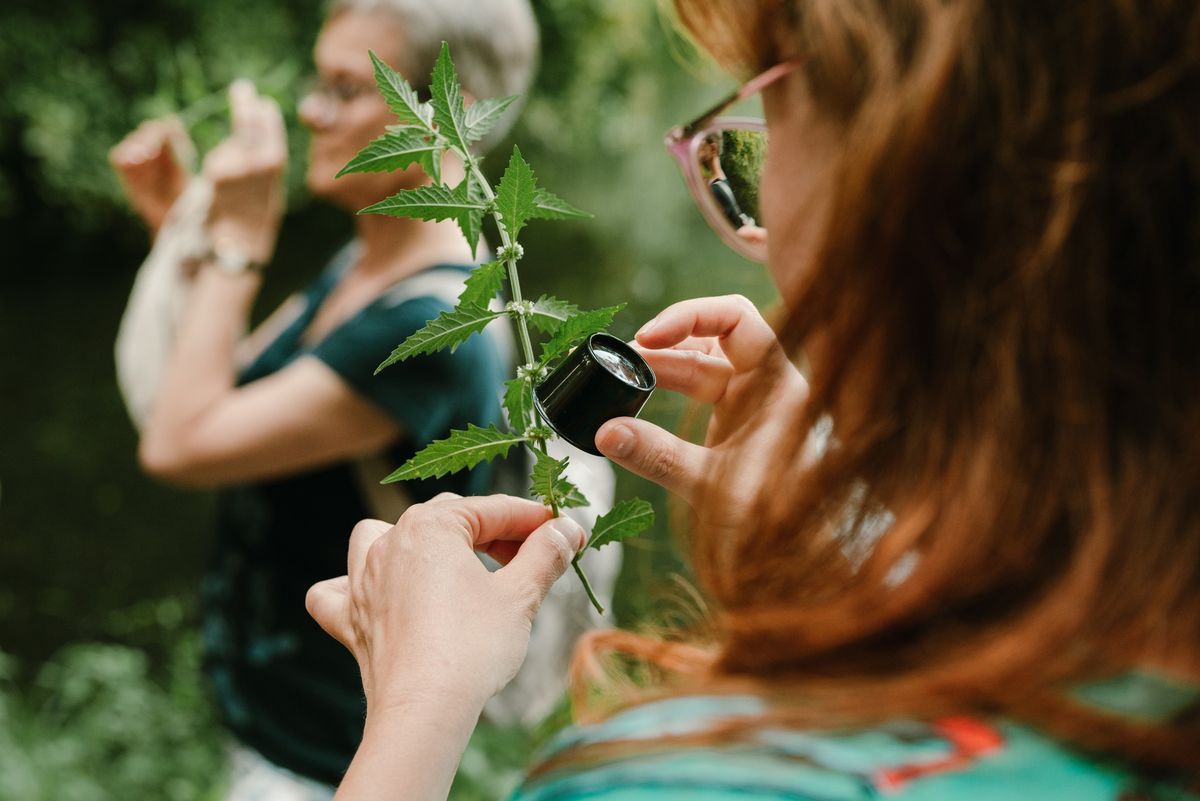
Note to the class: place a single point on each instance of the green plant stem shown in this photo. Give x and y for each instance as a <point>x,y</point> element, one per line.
<point>587,585</point>
<point>514,284</point>
<point>510,264</point>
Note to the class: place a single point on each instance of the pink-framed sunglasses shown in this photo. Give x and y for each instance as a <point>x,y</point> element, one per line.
<point>722,162</point>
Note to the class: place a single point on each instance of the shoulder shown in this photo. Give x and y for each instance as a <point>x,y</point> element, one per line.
<point>406,306</point>
<point>905,760</point>
<point>411,304</point>
<point>414,301</point>
<point>468,373</point>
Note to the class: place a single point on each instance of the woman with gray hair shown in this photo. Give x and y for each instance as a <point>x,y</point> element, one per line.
<point>289,422</point>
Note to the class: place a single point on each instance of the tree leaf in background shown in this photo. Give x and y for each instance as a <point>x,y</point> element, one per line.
<point>483,284</point>
<point>548,483</point>
<point>396,150</point>
<point>549,313</point>
<point>483,114</point>
<point>627,519</point>
<point>515,194</point>
<point>518,403</point>
<point>462,450</point>
<point>448,330</point>
<point>576,329</point>
<point>549,206</point>
<point>401,98</point>
<point>448,110</point>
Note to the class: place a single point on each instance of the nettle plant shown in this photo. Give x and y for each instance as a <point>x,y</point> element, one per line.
<point>427,130</point>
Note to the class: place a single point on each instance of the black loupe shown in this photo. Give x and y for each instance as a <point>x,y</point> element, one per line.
<point>601,379</point>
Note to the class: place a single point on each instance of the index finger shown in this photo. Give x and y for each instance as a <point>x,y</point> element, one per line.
<point>361,538</point>
<point>243,99</point>
<point>495,518</point>
<point>745,337</point>
<point>270,122</point>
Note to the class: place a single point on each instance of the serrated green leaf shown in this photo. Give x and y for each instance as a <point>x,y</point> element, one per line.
<point>396,150</point>
<point>549,206</point>
<point>546,471</point>
<point>436,202</point>
<point>448,330</point>
<point>483,114</point>
<point>549,313</point>
<point>570,496</point>
<point>401,98</point>
<point>448,111</point>
<point>462,450</point>
<point>515,194</point>
<point>577,328</point>
<point>518,403</point>
<point>431,163</point>
<point>625,520</point>
<point>549,484</point>
<point>483,284</point>
<point>471,223</point>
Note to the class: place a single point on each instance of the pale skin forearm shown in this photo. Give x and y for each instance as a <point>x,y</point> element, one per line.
<point>411,750</point>
<point>202,369</point>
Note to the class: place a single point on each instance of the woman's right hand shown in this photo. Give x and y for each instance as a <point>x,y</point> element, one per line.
<point>151,165</point>
<point>717,351</point>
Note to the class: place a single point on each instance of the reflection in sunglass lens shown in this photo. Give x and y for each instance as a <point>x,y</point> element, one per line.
<point>730,163</point>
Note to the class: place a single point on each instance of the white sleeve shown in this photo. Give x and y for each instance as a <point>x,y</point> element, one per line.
<point>158,299</point>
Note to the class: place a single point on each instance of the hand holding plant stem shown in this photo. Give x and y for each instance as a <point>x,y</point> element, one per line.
<point>426,132</point>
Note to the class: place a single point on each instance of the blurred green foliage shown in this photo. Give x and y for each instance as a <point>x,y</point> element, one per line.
<point>105,722</point>
<point>102,721</point>
<point>79,78</point>
<point>84,538</point>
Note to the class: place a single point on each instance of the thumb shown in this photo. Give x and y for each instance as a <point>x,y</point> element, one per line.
<point>648,451</point>
<point>329,604</point>
<point>543,557</point>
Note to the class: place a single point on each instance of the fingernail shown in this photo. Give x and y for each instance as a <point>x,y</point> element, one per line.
<point>619,440</point>
<point>569,531</point>
<point>647,328</point>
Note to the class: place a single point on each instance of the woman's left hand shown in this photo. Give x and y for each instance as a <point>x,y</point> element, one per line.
<point>424,617</point>
<point>246,171</point>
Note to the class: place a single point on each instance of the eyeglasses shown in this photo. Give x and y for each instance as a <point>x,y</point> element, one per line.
<point>337,93</point>
<point>336,90</point>
<point>722,163</point>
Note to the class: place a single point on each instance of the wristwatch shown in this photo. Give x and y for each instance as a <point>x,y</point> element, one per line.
<point>230,259</point>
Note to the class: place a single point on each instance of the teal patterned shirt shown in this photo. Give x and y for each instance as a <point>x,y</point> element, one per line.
<point>959,759</point>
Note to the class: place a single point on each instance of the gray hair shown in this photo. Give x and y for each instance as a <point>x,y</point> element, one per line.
<point>494,44</point>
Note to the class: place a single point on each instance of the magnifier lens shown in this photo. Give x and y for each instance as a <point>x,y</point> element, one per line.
<point>620,366</point>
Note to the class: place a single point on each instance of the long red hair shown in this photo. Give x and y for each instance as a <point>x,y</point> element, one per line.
<point>1003,325</point>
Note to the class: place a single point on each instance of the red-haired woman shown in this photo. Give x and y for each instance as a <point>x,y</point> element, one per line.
<point>985,581</point>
